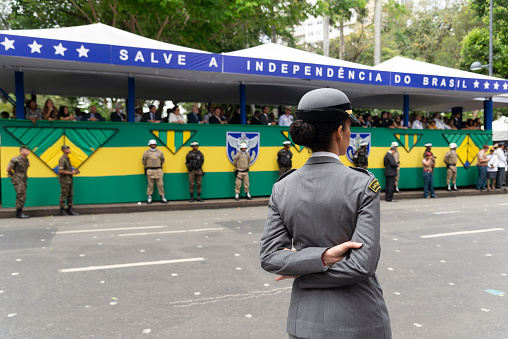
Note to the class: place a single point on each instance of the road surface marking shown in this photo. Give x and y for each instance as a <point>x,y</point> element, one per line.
<point>460,233</point>
<point>109,229</point>
<point>446,212</point>
<point>134,264</point>
<point>171,232</point>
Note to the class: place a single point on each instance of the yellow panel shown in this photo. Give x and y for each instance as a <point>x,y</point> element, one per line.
<point>37,168</point>
<point>53,154</point>
<point>77,156</point>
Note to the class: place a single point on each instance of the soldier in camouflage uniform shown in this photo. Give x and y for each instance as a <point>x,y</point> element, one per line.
<point>284,157</point>
<point>361,156</point>
<point>242,163</point>
<point>16,170</point>
<point>153,159</point>
<point>65,177</point>
<point>450,160</point>
<point>194,162</point>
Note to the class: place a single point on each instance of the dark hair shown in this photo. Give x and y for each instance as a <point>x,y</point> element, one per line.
<point>150,107</point>
<point>315,135</point>
<point>61,112</point>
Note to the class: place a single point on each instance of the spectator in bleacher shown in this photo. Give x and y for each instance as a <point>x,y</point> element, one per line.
<point>384,121</point>
<point>236,118</point>
<point>32,112</point>
<point>138,114</point>
<point>417,123</point>
<point>361,121</point>
<point>93,115</point>
<point>440,123</point>
<point>152,115</point>
<point>175,117</point>
<point>425,122</point>
<point>118,115</point>
<point>264,118</point>
<point>398,123</point>
<point>255,118</point>
<point>194,117</point>
<point>215,118</point>
<point>5,115</point>
<point>63,114</point>
<point>457,121</point>
<point>368,121</point>
<point>209,114</point>
<point>78,114</point>
<point>49,112</point>
<point>286,119</point>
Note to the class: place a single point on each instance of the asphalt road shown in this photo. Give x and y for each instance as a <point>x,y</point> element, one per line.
<point>196,274</point>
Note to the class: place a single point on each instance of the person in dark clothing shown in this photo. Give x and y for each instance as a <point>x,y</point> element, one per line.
<point>390,173</point>
<point>215,118</point>
<point>384,121</point>
<point>255,118</point>
<point>194,117</point>
<point>236,118</point>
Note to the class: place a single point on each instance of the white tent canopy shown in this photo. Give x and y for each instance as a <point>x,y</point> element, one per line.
<point>500,129</point>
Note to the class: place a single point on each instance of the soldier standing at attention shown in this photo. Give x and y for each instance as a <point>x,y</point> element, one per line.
<point>361,156</point>
<point>395,146</point>
<point>153,159</point>
<point>16,170</point>
<point>284,157</point>
<point>65,177</point>
<point>242,163</point>
<point>450,160</point>
<point>194,162</point>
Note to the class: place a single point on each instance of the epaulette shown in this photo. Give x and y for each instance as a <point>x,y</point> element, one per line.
<point>374,183</point>
<point>285,175</point>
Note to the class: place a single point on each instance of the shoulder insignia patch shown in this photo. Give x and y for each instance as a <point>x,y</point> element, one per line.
<point>374,186</point>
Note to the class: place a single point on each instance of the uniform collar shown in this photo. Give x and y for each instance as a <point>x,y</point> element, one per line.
<point>325,154</point>
<point>323,157</point>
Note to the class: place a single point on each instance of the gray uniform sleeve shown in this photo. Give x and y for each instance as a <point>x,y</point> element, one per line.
<point>276,237</point>
<point>361,263</point>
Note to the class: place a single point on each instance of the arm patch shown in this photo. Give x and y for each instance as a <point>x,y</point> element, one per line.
<point>374,186</point>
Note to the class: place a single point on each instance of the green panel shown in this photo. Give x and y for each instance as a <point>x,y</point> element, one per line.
<point>89,140</point>
<point>40,138</point>
<point>480,139</point>
<point>456,138</point>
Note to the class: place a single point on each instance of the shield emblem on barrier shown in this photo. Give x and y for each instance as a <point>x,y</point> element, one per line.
<point>233,140</point>
<point>354,144</point>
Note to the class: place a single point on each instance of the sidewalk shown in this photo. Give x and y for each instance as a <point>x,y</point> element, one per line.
<point>44,211</point>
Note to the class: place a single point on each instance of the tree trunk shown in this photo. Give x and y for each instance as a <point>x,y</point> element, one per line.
<point>378,8</point>
<point>326,35</point>
<point>341,39</point>
<point>274,35</point>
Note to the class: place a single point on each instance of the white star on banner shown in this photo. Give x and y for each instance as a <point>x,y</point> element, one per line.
<point>486,85</point>
<point>476,83</point>
<point>60,49</point>
<point>35,47</point>
<point>496,85</point>
<point>8,44</point>
<point>505,86</point>
<point>83,51</point>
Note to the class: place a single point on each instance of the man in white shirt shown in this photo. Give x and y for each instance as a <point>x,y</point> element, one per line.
<point>439,123</point>
<point>286,119</point>
<point>417,124</point>
<point>501,166</point>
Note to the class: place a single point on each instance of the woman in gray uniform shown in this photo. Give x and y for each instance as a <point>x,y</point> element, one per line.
<point>329,213</point>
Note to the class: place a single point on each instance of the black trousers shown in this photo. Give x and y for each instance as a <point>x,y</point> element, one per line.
<point>389,188</point>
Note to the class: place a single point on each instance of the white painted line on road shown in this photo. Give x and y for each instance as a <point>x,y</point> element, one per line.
<point>460,233</point>
<point>134,264</point>
<point>446,212</point>
<point>170,232</point>
<point>109,229</point>
<point>505,204</point>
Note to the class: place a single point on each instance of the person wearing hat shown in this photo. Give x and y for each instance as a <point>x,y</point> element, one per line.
<point>428,148</point>
<point>481,183</point>
<point>501,166</point>
<point>242,164</point>
<point>194,162</point>
<point>153,159</point>
<point>361,156</point>
<point>391,166</point>
<point>429,163</point>
<point>286,119</point>
<point>395,146</point>
<point>450,160</point>
<point>284,157</point>
<point>324,209</point>
<point>65,177</point>
<point>17,171</point>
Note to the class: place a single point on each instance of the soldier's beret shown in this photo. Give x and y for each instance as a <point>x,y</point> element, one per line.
<point>24,146</point>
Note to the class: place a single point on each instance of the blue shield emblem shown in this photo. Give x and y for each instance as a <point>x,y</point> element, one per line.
<point>233,140</point>
<point>354,144</point>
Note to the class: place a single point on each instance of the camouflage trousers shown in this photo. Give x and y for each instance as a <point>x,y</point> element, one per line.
<point>283,170</point>
<point>196,175</point>
<point>66,193</point>
<point>242,176</point>
<point>20,188</point>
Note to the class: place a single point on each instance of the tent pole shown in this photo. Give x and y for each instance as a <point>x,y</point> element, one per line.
<point>406,110</point>
<point>243,110</point>
<point>20,95</point>
<point>130,99</point>
<point>487,114</point>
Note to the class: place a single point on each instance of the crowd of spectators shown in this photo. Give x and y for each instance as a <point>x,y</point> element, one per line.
<point>211,114</point>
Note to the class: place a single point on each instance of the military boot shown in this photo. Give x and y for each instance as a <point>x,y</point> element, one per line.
<point>149,199</point>
<point>163,199</point>
<point>63,211</point>
<point>248,196</point>
<point>70,211</point>
<point>192,197</point>
<point>199,198</point>
<point>21,215</point>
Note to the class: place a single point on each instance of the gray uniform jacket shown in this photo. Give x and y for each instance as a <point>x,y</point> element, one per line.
<point>321,205</point>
